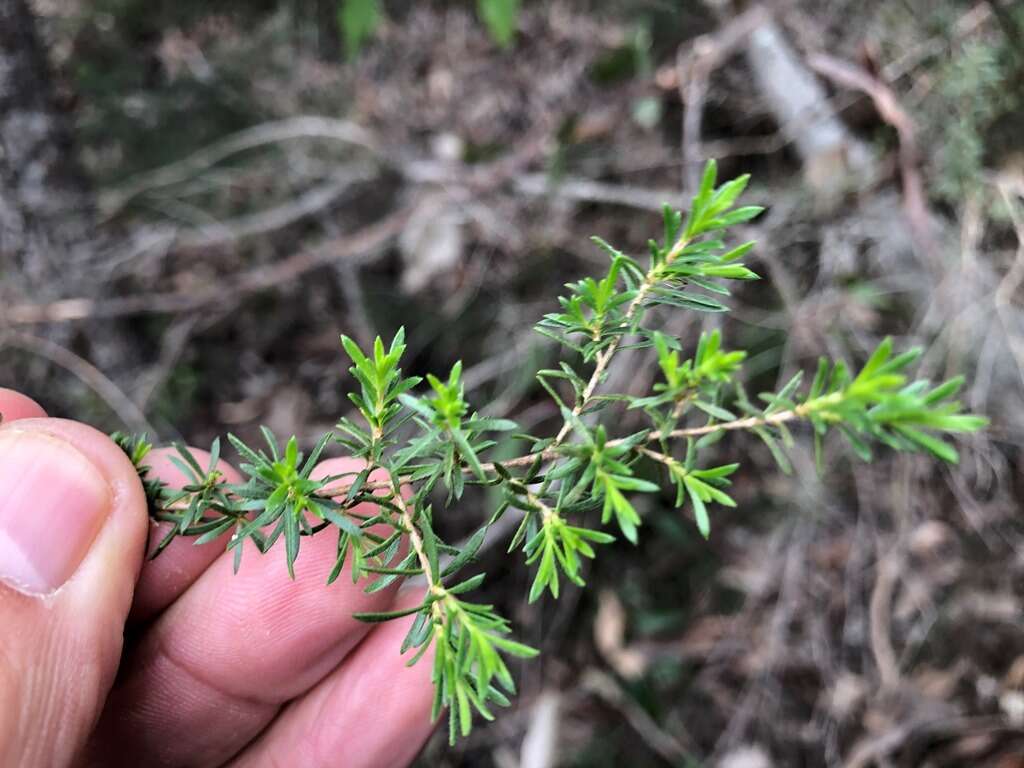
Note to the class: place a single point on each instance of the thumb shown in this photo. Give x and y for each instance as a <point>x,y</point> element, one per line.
<point>73,528</point>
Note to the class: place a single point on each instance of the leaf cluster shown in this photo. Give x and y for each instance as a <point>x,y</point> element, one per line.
<point>421,447</point>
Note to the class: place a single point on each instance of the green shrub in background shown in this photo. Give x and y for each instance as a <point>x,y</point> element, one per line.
<point>360,18</point>
<point>973,83</point>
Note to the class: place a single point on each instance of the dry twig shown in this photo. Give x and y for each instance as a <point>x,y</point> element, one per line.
<point>302,127</point>
<point>355,247</point>
<point>914,200</point>
<point>90,375</point>
<point>694,68</point>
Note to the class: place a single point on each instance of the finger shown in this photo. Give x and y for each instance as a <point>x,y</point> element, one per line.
<point>371,711</point>
<point>72,529</point>
<point>14,405</point>
<point>166,577</point>
<point>217,665</point>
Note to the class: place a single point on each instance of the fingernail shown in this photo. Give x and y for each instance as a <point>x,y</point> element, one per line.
<point>53,502</point>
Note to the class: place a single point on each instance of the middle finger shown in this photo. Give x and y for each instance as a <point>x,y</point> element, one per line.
<point>216,666</point>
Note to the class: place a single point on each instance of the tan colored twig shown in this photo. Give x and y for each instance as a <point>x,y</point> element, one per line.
<point>172,345</point>
<point>750,422</point>
<point>319,198</point>
<point>302,127</point>
<point>915,203</point>
<point>90,375</point>
<point>880,611</point>
<point>604,357</point>
<point>668,745</point>
<point>357,246</point>
<point>694,66</point>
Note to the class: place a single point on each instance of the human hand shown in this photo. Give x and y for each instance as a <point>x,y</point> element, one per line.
<point>109,660</point>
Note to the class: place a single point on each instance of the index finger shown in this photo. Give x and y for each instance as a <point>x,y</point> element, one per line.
<point>14,406</point>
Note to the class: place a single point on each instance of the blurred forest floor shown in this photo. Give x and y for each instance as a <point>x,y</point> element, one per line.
<point>261,192</point>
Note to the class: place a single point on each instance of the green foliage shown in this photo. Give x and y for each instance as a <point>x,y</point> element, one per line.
<point>710,366</point>
<point>137,448</point>
<point>422,444</point>
<point>973,112</point>
<point>381,385</point>
<point>702,486</point>
<point>500,17</point>
<point>280,493</point>
<point>603,466</point>
<point>560,545</point>
<point>881,404</point>
<point>358,20</point>
<point>469,674</point>
<point>450,443</point>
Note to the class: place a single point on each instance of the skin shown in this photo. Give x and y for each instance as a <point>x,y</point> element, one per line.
<point>177,661</point>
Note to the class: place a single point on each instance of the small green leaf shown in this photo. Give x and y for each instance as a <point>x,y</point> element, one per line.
<point>700,512</point>
<point>358,20</point>
<point>468,585</point>
<point>692,301</point>
<point>713,410</point>
<point>500,17</point>
<point>470,549</point>
<point>468,454</point>
<point>773,447</point>
<point>931,444</point>
<point>374,617</point>
<point>515,649</point>
<point>291,541</point>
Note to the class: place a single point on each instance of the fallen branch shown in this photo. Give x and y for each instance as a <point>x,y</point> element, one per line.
<point>90,375</point>
<point>357,247</point>
<point>263,222</point>
<point>304,127</point>
<point>694,68</point>
<point>803,111</point>
<point>914,200</point>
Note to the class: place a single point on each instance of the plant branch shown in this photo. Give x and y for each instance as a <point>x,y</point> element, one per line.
<point>415,538</point>
<point>879,403</point>
<point>604,357</point>
<point>749,422</point>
